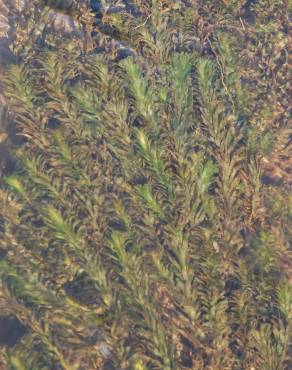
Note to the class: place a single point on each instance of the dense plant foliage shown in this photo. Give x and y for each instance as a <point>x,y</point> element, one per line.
<point>145,224</point>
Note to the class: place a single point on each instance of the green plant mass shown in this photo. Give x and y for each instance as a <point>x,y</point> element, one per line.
<point>144,214</point>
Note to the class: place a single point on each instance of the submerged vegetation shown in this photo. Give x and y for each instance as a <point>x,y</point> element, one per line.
<point>145,221</point>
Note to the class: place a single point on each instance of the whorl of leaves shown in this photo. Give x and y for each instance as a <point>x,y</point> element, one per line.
<point>145,225</point>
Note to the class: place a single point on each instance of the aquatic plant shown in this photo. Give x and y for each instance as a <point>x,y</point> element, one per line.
<point>146,222</point>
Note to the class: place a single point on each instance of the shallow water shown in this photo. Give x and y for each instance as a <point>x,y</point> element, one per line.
<point>98,38</point>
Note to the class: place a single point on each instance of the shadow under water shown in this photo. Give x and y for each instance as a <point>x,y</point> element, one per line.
<point>11,330</point>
